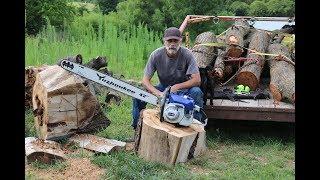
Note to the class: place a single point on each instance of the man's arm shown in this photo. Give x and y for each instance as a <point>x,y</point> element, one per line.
<point>147,84</point>
<point>195,80</point>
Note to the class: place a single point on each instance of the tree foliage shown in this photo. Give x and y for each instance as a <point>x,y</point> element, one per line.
<point>107,6</point>
<point>258,8</point>
<point>239,8</point>
<point>281,8</point>
<point>57,12</point>
<point>158,14</point>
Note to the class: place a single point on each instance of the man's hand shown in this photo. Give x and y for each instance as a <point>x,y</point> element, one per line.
<point>174,88</point>
<point>159,94</point>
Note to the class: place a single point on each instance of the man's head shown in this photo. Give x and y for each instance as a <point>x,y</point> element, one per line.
<point>172,40</point>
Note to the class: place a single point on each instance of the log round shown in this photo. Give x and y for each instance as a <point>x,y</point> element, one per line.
<point>166,143</point>
<point>204,55</point>
<point>282,74</point>
<point>235,36</point>
<point>250,73</point>
<point>64,105</point>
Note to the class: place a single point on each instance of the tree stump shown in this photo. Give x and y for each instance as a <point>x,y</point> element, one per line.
<point>282,74</point>
<point>166,143</point>
<point>250,73</point>
<point>235,38</point>
<point>63,105</point>
<point>204,55</point>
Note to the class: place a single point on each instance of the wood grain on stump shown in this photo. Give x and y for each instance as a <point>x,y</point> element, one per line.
<point>164,142</point>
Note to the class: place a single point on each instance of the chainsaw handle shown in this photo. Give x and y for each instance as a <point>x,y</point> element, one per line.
<point>206,117</point>
<point>200,110</point>
<point>166,93</point>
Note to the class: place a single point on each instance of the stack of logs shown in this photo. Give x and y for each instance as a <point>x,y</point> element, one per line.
<point>64,103</point>
<point>247,53</point>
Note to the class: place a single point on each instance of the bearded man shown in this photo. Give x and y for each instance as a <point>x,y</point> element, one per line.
<point>176,67</point>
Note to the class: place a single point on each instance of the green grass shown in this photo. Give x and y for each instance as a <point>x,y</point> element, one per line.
<point>57,165</point>
<point>93,35</point>
<point>29,129</point>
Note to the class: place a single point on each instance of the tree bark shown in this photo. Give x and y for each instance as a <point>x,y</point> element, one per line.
<point>219,64</point>
<point>250,74</point>
<point>282,74</point>
<point>63,105</point>
<point>97,63</point>
<point>96,143</point>
<point>166,143</point>
<point>235,38</point>
<point>45,151</point>
<point>204,55</point>
<point>29,79</point>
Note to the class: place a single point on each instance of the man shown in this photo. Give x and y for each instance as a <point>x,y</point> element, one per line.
<point>176,67</point>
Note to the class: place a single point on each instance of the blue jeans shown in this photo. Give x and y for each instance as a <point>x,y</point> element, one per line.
<point>194,92</point>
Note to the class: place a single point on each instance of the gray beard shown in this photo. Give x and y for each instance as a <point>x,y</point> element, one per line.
<point>173,52</point>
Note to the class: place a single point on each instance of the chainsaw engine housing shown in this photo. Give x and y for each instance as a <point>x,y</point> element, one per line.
<point>179,109</point>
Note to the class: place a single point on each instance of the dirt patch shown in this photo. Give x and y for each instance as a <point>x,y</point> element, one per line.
<point>129,146</point>
<point>198,170</point>
<point>215,154</point>
<point>77,168</point>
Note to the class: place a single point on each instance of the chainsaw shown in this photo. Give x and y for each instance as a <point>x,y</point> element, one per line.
<point>174,108</point>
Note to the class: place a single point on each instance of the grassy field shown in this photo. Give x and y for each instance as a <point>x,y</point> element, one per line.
<point>236,150</point>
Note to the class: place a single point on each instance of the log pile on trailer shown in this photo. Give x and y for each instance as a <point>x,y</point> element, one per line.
<point>244,55</point>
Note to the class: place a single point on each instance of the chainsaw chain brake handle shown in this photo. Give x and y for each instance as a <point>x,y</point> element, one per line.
<point>166,93</point>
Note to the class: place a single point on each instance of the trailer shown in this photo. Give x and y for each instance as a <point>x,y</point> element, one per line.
<point>248,109</point>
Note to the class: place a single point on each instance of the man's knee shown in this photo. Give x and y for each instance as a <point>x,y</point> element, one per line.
<point>196,92</point>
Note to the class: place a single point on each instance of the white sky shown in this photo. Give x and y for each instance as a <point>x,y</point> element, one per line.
<point>270,25</point>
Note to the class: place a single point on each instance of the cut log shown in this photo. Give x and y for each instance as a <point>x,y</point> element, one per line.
<point>29,79</point>
<point>97,144</point>
<point>97,63</point>
<point>63,105</point>
<point>219,64</point>
<point>45,151</point>
<point>76,59</point>
<point>166,143</point>
<point>204,55</point>
<point>282,74</point>
<point>235,38</point>
<point>248,37</point>
<point>251,71</point>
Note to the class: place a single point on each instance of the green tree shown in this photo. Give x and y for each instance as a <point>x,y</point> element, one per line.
<point>258,8</point>
<point>57,11</point>
<point>160,14</point>
<point>281,7</point>
<point>239,8</point>
<point>107,6</point>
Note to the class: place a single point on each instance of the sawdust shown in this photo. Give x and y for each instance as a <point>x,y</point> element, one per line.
<point>77,168</point>
<point>129,146</point>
